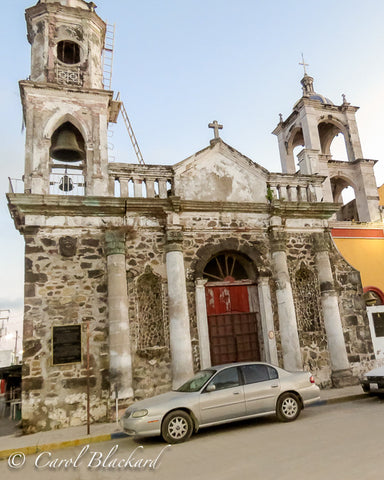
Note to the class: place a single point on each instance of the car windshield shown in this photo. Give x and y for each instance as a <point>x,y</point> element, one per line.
<point>198,381</point>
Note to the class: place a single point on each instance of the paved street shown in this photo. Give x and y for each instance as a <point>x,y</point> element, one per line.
<point>343,442</point>
<point>7,426</point>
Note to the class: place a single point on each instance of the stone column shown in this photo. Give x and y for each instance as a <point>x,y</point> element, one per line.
<point>119,339</point>
<point>286,308</point>
<point>179,329</point>
<point>202,324</point>
<point>266,315</point>
<point>341,371</point>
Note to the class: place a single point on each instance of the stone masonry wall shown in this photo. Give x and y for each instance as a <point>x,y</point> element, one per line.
<point>65,284</point>
<point>69,287</point>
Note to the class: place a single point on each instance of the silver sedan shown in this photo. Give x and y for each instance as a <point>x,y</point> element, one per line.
<point>222,394</point>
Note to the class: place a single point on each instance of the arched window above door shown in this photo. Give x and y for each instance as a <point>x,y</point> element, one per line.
<point>225,267</point>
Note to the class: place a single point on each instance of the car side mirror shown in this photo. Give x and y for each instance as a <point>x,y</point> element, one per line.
<point>211,388</point>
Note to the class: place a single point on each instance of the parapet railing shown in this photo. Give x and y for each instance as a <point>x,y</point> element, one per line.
<point>157,181</point>
<point>293,188</point>
<point>140,181</point>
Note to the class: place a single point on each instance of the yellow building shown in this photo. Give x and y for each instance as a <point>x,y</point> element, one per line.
<point>362,245</point>
<point>381,194</point>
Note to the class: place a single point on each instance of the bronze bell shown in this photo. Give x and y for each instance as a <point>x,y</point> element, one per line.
<point>65,147</point>
<point>66,184</point>
<point>370,298</point>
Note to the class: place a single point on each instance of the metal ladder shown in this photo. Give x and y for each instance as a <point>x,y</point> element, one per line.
<point>107,82</point>
<point>131,134</point>
<point>108,56</point>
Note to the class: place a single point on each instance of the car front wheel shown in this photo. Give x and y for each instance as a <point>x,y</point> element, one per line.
<point>177,427</point>
<point>288,407</point>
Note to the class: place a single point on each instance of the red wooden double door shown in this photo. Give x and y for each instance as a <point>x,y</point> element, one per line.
<point>232,327</point>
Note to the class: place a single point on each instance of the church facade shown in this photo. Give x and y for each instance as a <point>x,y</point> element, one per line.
<point>138,275</point>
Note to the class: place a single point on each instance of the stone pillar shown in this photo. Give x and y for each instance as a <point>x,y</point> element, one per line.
<point>341,371</point>
<point>179,328</point>
<point>287,316</point>
<point>266,315</point>
<point>202,324</point>
<point>119,339</point>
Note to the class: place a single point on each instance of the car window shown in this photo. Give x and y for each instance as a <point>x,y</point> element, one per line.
<point>226,379</point>
<point>258,373</point>
<point>195,383</point>
<point>272,373</point>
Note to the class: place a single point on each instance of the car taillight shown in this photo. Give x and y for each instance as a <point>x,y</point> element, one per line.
<point>312,379</point>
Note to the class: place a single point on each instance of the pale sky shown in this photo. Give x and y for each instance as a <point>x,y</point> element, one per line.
<point>181,64</point>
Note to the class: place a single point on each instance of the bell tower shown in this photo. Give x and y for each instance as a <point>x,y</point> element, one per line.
<point>66,108</point>
<point>313,124</point>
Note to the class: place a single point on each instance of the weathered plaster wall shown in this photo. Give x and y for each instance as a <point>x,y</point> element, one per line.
<point>219,173</point>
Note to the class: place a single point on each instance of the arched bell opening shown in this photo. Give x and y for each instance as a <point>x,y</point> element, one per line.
<point>68,61</point>
<point>67,161</point>
<point>233,312</point>
<point>68,52</point>
<point>332,140</point>
<point>295,144</point>
<point>343,192</point>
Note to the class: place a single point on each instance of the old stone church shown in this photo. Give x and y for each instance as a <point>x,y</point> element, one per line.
<point>150,272</point>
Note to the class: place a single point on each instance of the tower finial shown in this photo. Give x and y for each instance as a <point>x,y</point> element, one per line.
<point>307,81</point>
<point>304,64</point>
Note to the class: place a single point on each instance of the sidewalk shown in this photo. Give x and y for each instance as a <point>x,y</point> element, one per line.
<point>102,432</point>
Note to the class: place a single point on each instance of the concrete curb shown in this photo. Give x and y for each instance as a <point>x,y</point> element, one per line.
<point>346,398</point>
<point>4,454</point>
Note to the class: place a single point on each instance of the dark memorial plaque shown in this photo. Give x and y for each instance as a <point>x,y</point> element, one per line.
<point>66,344</point>
<point>378,322</point>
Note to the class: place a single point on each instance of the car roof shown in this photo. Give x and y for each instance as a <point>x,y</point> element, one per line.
<point>237,364</point>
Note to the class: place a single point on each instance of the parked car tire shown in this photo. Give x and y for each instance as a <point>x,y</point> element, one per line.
<point>288,407</point>
<point>177,427</point>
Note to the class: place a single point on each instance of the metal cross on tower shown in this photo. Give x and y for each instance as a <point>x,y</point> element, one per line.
<point>215,125</point>
<point>304,64</point>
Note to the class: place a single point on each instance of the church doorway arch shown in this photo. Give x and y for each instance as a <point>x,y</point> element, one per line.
<point>233,312</point>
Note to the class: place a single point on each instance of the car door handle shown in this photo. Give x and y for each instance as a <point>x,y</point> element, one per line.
<point>274,386</point>
<point>236,393</point>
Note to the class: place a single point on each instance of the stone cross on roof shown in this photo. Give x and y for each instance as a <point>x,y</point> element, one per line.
<point>215,125</point>
<point>304,64</point>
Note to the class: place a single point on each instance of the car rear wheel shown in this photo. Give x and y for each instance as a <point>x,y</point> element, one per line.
<point>177,427</point>
<point>288,407</point>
